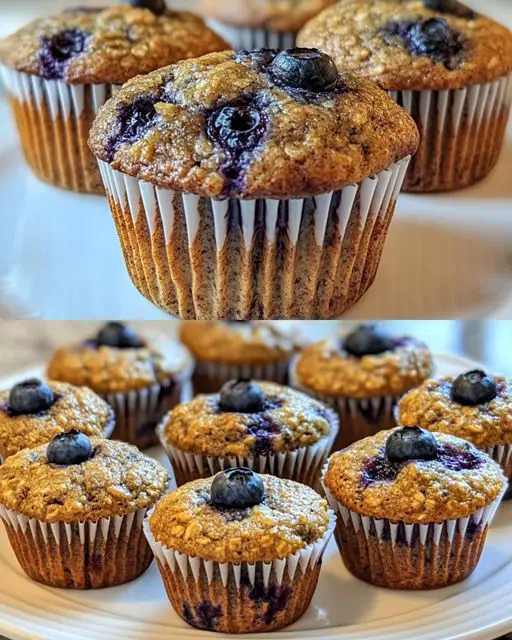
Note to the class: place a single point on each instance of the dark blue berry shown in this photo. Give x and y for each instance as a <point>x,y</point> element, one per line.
<point>118,335</point>
<point>237,488</point>
<point>435,39</point>
<point>260,59</point>
<point>306,69</point>
<point>134,121</point>
<point>451,7</point>
<point>237,126</point>
<point>411,443</point>
<point>59,49</point>
<point>474,387</point>
<point>30,396</point>
<point>72,447</point>
<point>157,7</point>
<point>366,340</point>
<point>241,396</point>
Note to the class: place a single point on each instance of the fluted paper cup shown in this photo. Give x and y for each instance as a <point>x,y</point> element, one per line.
<point>199,258</point>
<point>240,598</point>
<point>81,555</point>
<point>53,120</point>
<point>209,376</point>
<point>463,131</point>
<point>249,38</point>
<point>502,454</point>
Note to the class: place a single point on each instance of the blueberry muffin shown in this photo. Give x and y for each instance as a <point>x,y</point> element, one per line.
<point>276,178</point>
<point>413,507</point>
<point>140,377</point>
<point>261,425</point>
<point>240,552</point>
<point>73,510</point>
<point>475,406</point>
<point>59,70</point>
<point>33,412</point>
<point>225,351</point>
<point>447,65</point>
<point>362,376</point>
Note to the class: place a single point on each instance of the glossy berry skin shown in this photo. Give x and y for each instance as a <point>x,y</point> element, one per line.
<point>306,69</point>
<point>59,49</point>
<point>411,443</point>
<point>237,127</point>
<point>237,488</point>
<point>69,448</point>
<point>157,7</point>
<point>473,388</point>
<point>119,336</point>
<point>435,39</point>
<point>30,396</point>
<point>241,396</point>
<point>366,340</point>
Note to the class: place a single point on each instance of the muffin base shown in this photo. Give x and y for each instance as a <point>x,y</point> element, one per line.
<point>82,555</point>
<point>209,376</point>
<point>462,134</point>
<point>249,38</point>
<point>199,258</point>
<point>502,454</point>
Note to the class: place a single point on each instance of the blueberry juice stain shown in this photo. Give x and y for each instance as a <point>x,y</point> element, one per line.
<point>57,51</point>
<point>272,598</point>
<point>203,615</point>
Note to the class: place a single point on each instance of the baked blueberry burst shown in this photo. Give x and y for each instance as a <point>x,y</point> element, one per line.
<point>57,50</point>
<point>237,126</point>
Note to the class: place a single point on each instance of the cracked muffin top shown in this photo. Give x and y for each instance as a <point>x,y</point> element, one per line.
<point>475,406</point>
<point>276,15</point>
<point>117,359</point>
<point>77,478</point>
<point>248,419</point>
<point>240,516</point>
<point>107,45</point>
<point>33,412</point>
<point>364,364</point>
<point>412,44</point>
<point>411,475</point>
<point>252,124</point>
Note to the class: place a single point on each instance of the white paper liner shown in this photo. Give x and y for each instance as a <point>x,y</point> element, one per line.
<point>217,373</point>
<point>359,256</point>
<point>249,38</point>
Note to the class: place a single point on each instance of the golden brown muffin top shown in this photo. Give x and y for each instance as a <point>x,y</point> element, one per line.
<point>76,408</point>
<point>459,482</point>
<point>485,425</point>
<point>391,42</point>
<point>222,126</point>
<point>116,481</point>
<point>291,517</point>
<point>276,15</point>
<point>286,421</point>
<point>108,45</point>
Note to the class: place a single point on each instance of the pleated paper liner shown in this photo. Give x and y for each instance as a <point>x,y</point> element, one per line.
<point>81,555</point>
<point>53,120</point>
<point>463,131</point>
<point>240,598</point>
<point>397,555</point>
<point>248,38</point>
<point>210,376</point>
<point>253,259</point>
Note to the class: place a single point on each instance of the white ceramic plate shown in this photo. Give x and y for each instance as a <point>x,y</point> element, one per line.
<point>343,608</point>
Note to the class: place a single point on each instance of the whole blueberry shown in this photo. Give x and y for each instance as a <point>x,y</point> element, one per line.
<point>71,447</point>
<point>157,7</point>
<point>237,488</point>
<point>366,340</point>
<point>241,396</point>
<point>30,396</point>
<point>411,443</point>
<point>452,7</point>
<point>118,335</point>
<point>57,50</point>
<point>237,127</point>
<point>474,387</point>
<point>307,69</point>
<point>435,39</point>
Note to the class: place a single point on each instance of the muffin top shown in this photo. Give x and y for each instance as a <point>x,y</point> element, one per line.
<point>412,44</point>
<point>252,124</point>
<point>240,516</point>
<point>248,419</point>
<point>107,45</point>
<point>117,359</point>
<point>364,364</point>
<point>33,412</point>
<point>411,475</point>
<point>474,406</point>
<point>276,15</point>
<point>241,342</point>
<point>77,478</point>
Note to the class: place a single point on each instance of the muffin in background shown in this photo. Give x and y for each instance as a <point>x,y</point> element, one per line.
<point>476,406</point>
<point>33,412</point>
<point>59,70</point>
<point>73,510</point>
<point>447,65</point>
<point>226,351</point>
<point>240,552</point>
<point>362,376</point>
<point>413,508</point>
<point>141,377</point>
<point>262,425</point>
